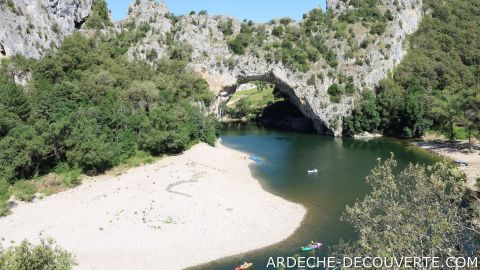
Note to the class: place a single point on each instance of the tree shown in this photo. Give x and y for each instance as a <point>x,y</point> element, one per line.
<point>88,145</point>
<point>141,95</point>
<point>23,152</point>
<point>416,212</point>
<point>444,113</point>
<point>13,99</point>
<point>415,121</point>
<point>8,121</point>
<point>365,116</point>
<point>391,104</point>
<point>100,16</point>
<point>469,104</point>
<point>165,131</point>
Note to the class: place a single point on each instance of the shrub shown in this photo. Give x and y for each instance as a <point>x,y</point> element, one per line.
<point>45,256</point>
<point>311,80</point>
<point>286,21</point>
<point>335,91</point>
<point>70,176</point>
<point>151,55</point>
<point>350,88</point>
<point>240,43</point>
<point>24,190</point>
<point>278,31</point>
<point>331,59</point>
<point>364,44</point>
<point>180,52</point>
<point>226,27</point>
<point>378,28</point>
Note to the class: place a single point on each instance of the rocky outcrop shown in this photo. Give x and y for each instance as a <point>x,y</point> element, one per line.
<point>30,27</point>
<point>224,71</point>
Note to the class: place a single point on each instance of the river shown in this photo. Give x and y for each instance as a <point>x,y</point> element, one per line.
<point>342,167</point>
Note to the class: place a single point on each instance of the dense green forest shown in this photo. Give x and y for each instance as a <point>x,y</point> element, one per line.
<point>87,108</point>
<point>437,86</point>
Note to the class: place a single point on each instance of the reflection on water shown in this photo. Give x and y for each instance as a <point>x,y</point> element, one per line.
<point>342,166</point>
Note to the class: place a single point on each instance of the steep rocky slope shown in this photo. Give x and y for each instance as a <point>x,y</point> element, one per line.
<point>30,28</point>
<point>363,57</point>
<point>322,63</point>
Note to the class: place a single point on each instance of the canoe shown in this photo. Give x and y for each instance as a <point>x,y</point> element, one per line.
<point>312,247</point>
<point>461,163</point>
<point>243,267</point>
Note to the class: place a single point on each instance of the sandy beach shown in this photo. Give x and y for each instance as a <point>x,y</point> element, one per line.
<point>457,151</point>
<point>178,212</point>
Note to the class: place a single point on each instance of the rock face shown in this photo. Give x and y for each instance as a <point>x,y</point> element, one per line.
<point>30,27</point>
<point>224,71</point>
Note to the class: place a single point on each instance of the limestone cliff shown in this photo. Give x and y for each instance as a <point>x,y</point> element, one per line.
<point>353,53</point>
<point>31,27</point>
<point>375,55</point>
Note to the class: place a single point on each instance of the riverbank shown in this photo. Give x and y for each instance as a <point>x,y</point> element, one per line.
<point>178,212</point>
<point>457,151</point>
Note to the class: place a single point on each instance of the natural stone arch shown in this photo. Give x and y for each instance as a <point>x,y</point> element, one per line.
<point>227,92</point>
<point>224,70</point>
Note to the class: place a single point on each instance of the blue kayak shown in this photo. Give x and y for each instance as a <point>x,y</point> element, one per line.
<point>254,158</point>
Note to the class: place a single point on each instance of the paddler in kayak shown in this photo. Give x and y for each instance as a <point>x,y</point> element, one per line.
<point>245,265</point>
<point>312,246</point>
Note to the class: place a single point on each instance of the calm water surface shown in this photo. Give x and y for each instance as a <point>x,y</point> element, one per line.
<point>342,165</point>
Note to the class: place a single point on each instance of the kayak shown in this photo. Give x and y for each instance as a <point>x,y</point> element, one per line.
<point>312,247</point>
<point>254,158</point>
<point>244,266</point>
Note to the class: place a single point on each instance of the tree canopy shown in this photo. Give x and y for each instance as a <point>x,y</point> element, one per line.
<point>418,211</point>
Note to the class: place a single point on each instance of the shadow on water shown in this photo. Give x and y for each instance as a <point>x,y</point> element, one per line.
<point>342,167</point>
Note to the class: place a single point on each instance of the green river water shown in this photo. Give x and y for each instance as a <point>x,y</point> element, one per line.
<point>342,165</point>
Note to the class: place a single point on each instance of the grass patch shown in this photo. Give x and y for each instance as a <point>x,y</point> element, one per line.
<point>4,196</point>
<point>138,159</point>
<point>62,178</point>
<point>460,133</point>
<point>249,103</point>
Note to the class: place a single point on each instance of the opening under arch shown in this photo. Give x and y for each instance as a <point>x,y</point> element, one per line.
<point>281,109</point>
